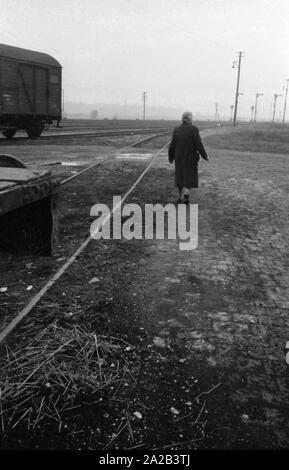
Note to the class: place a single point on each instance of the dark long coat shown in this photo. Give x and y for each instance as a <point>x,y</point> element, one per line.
<point>185,147</point>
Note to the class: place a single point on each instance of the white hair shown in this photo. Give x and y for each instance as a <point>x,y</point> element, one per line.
<point>187,116</point>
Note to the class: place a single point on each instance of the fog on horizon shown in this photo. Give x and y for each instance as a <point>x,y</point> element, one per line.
<point>179,51</point>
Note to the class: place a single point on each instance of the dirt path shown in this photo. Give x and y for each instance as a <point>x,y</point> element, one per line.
<point>219,314</point>
<point>226,305</point>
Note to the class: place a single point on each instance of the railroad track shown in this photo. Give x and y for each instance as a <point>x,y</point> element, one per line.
<point>66,135</point>
<point>41,293</point>
<point>94,165</point>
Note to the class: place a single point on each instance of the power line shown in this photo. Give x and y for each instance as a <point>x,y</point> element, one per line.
<point>237,64</point>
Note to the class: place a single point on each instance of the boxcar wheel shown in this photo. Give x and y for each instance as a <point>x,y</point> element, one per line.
<point>9,133</point>
<point>34,130</point>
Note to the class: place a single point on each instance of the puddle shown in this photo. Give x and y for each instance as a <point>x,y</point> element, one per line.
<point>135,156</point>
<point>78,163</point>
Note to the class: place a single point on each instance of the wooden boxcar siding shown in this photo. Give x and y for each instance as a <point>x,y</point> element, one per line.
<point>41,90</point>
<point>8,86</point>
<point>29,89</point>
<point>54,92</point>
<point>25,89</point>
<point>33,89</point>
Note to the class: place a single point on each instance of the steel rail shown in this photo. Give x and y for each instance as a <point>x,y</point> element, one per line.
<point>80,134</point>
<point>108,157</point>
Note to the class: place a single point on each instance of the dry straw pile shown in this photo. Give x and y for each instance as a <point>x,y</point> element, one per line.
<point>55,372</point>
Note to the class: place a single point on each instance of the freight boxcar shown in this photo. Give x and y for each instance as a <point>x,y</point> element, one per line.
<point>30,91</point>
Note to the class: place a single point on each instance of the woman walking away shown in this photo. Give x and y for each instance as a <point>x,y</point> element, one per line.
<point>185,147</point>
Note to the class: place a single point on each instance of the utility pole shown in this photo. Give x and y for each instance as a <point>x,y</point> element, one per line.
<point>217,116</point>
<point>232,109</point>
<point>62,107</point>
<point>144,96</point>
<point>252,113</point>
<point>285,103</point>
<point>274,106</point>
<point>256,104</point>
<point>216,111</point>
<point>238,65</point>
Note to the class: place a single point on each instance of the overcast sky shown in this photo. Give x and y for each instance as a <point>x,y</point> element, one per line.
<point>179,51</point>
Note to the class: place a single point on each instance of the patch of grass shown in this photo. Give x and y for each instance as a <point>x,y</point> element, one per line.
<point>269,140</point>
